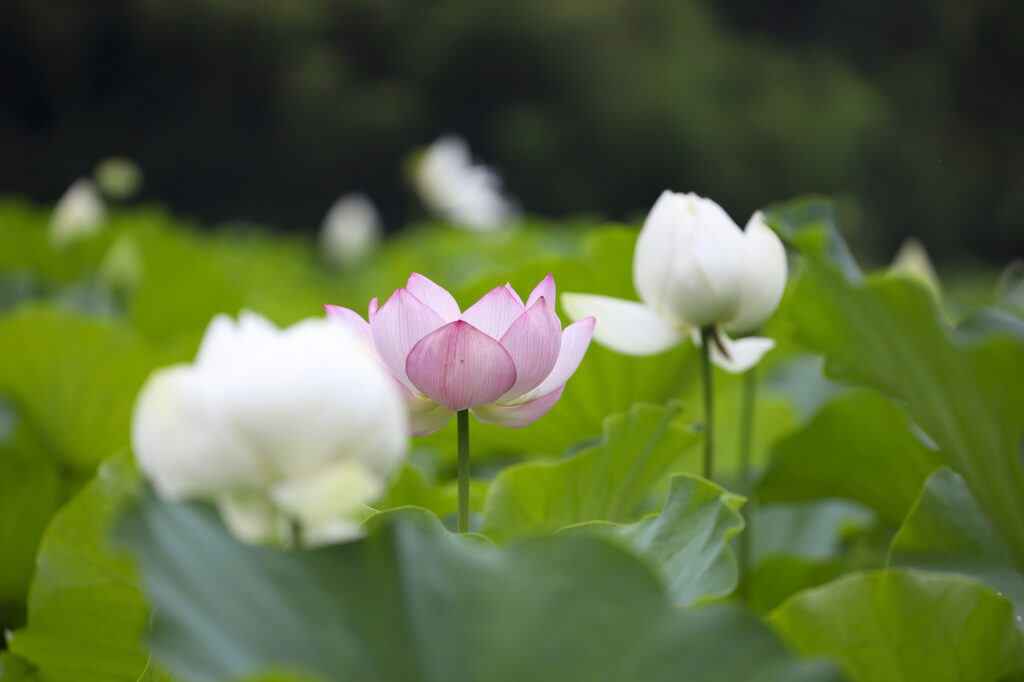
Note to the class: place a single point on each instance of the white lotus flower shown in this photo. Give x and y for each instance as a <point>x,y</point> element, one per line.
<point>78,214</point>
<point>279,427</point>
<point>693,268</point>
<point>350,231</point>
<point>453,187</point>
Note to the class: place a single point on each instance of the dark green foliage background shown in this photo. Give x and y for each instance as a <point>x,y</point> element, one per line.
<point>267,111</point>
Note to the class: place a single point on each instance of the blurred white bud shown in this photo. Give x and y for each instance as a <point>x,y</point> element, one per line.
<point>78,214</point>
<point>118,177</point>
<point>451,186</point>
<point>912,260</point>
<point>281,428</point>
<point>351,230</point>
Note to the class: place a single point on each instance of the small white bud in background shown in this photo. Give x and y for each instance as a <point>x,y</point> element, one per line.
<point>455,189</point>
<point>351,231</point>
<point>79,214</point>
<point>118,177</point>
<point>912,260</point>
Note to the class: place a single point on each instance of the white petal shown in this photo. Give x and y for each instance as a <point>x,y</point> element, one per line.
<point>762,276</point>
<point>339,490</point>
<point>703,286</point>
<point>624,326</point>
<point>655,247</point>
<point>182,441</point>
<point>742,353</point>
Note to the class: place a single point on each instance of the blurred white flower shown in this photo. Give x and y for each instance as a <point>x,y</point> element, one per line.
<point>282,428</point>
<point>453,187</point>
<point>694,268</point>
<point>118,177</point>
<point>912,260</point>
<point>350,231</point>
<point>78,214</point>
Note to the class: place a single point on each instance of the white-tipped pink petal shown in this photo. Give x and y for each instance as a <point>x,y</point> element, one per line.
<point>371,310</point>
<point>518,416</point>
<point>495,312</point>
<point>350,319</point>
<point>399,324</point>
<point>533,342</point>
<point>460,366</point>
<point>740,354</point>
<point>434,296</point>
<point>545,289</point>
<point>575,341</point>
<point>624,326</point>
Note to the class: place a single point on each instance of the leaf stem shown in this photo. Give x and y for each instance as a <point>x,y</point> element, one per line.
<point>463,420</point>
<point>707,337</point>
<point>746,441</point>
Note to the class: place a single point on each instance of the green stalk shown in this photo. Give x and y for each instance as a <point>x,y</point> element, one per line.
<point>746,440</point>
<point>707,337</point>
<point>463,419</point>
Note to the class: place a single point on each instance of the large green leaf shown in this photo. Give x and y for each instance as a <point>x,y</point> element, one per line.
<point>859,446</point>
<point>616,480</point>
<point>796,545</point>
<point>688,542</point>
<point>30,490</point>
<point>886,332</point>
<point>412,601</point>
<point>905,626</point>
<point>947,530</point>
<point>86,616</point>
<point>74,379</point>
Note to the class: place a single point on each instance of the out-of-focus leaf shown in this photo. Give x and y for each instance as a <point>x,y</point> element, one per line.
<point>906,626</point>
<point>687,543</point>
<point>74,379</point>
<point>412,601</point>
<point>887,333</point>
<point>859,446</point>
<point>15,669</point>
<point>86,617</point>
<point>30,490</point>
<point>616,480</point>
<point>947,531</point>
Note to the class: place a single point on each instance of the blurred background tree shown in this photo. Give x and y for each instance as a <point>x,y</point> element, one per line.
<point>267,110</point>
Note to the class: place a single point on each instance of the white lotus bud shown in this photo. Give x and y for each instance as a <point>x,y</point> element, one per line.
<point>78,214</point>
<point>351,230</point>
<point>693,268</point>
<point>451,186</point>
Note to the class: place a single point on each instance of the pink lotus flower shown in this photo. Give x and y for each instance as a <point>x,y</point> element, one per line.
<point>505,361</point>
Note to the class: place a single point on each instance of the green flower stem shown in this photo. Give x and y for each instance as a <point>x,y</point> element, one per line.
<point>463,419</point>
<point>746,440</point>
<point>707,337</point>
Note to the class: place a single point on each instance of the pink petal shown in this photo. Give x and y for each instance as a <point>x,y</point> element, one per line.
<point>518,416</point>
<point>460,367</point>
<point>435,296</point>
<point>495,312</point>
<point>545,289</point>
<point>371,311</point>
<point>575,341</point>
<point>350,319</point>
<point>399,324</point>
<point>425,416</point>
<point>533,341</point>
<point>508,285</point>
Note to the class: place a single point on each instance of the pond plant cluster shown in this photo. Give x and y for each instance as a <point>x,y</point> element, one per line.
<point>539,451</point>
